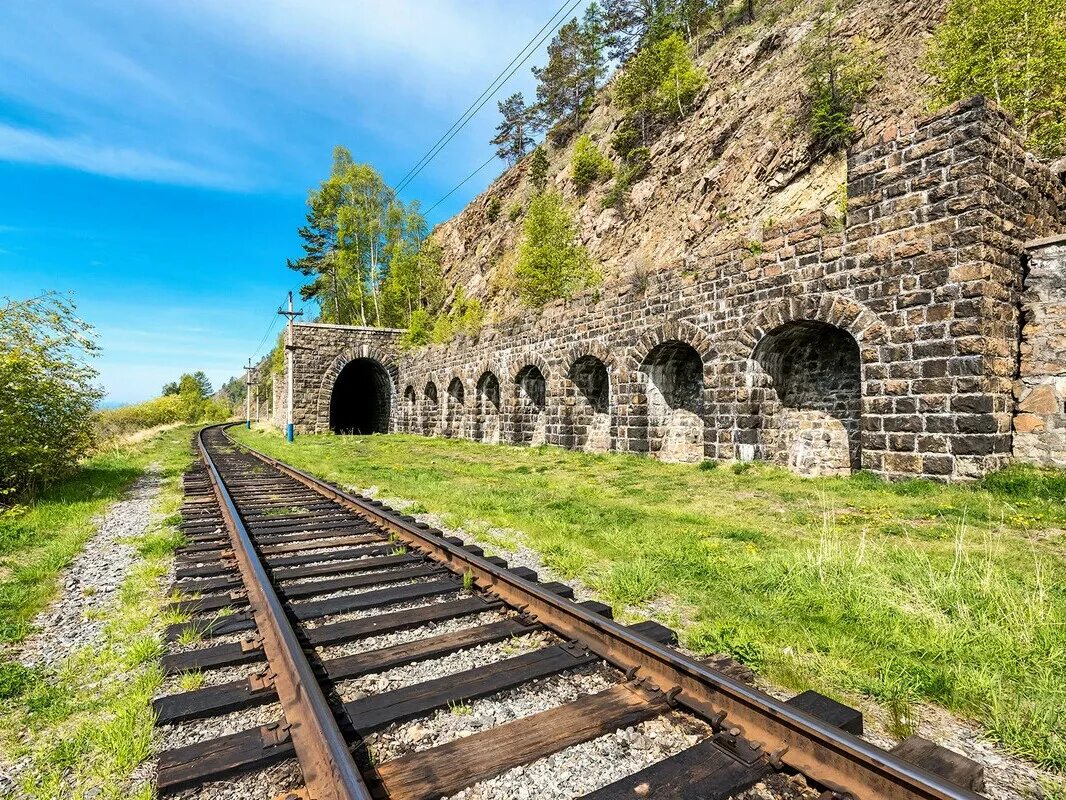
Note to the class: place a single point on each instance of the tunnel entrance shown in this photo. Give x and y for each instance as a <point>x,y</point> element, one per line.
<point>361,399</point>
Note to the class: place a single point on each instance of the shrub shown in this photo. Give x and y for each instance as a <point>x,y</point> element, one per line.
<point>1013,51</point>
<point>636,161</point>
<point>538,169</point>
<point>514,212</point>
<point>492,210</point>
<point>660,82</point>
<point>588,165</point>
<point>551,262</point>
<point>465,316</point>
<point>837,81</point>
<point>419,329</point>
<point>188,406</point>
<point>47,394</point>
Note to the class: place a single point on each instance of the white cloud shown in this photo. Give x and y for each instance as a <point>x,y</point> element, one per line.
<point>34,147</point>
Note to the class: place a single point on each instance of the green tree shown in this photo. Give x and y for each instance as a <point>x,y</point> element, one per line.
<point>628,23</point>
<point>1013,51</point>
<point>512,134</point>
<point>358,234</point>
<point>565,87</point>
<point>170,388</point>
<point>659,82</point>
<point>48,394</point>
<point>538,169</point>
<point>839,75</point>
<point>588,165</point>
<point>551,262</point>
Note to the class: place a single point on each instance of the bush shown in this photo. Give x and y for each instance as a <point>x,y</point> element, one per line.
<point>515,211</point>
<point>47,394</point>
<point>492,210</point>
<point>551,262</point>
<point>538,169</point>
<point>419,329</point>
<point>188,406</point>
<point>837,81</point>
<point>465,316</point>
<point>660,82</point>
<point>588,165</point>
<point>1013,51</point>
<point>637,162</point>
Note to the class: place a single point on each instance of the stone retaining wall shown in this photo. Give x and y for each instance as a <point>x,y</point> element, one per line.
<point>888,342</point>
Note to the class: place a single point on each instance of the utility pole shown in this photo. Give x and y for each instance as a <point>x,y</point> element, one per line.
<point>248,395</point>
<point>288,367</point>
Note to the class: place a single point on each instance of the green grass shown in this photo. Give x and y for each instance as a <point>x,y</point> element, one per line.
<point>903,593</point>
<point>82,727</point>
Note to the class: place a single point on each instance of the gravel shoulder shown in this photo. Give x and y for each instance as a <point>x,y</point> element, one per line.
<point>90,584</point>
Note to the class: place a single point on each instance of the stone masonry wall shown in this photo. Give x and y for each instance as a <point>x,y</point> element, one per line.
<point>923,282</point>
<point>1040,391</point>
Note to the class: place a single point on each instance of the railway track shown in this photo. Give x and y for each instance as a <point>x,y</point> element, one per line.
<point>298,597</point>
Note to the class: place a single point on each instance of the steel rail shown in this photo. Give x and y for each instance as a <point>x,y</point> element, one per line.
<point>329,771</point>
<point>834,758</point>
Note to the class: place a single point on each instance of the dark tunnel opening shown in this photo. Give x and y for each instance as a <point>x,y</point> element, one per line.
<point>361,399</point>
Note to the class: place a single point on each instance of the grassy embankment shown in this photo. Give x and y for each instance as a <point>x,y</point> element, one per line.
<point>903,593</point>
<point>86,725</point>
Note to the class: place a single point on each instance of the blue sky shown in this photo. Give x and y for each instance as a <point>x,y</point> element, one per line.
<point>155,155</point>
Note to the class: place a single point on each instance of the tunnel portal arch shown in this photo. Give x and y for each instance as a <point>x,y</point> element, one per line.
<point>361,400</point>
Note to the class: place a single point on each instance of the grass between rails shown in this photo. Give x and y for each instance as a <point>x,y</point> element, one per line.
<point>902,592</point>
<point>82,728</point>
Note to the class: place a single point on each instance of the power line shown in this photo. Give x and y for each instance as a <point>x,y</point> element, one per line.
<point>464,180</point>
<point>550,26</point>
<point>429,155</point>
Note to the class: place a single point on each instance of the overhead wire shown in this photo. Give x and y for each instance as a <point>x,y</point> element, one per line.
<point>464,180</point>
<point>546,30</point>
<point>531,47</point>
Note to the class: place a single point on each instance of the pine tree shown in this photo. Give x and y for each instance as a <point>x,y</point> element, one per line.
<point>512,134</point>
<point>575,65</point>
<point>538,169</point>
<point>627,23</point>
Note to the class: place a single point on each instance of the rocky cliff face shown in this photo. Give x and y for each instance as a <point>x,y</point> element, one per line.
<point>739,161</point>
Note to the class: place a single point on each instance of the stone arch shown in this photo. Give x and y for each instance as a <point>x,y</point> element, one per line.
<point>587,399</point>
<point>360,398</point>
<point>530,405</point>
<point>455,408</point>
<point>487,405</point>
<point>675,385</point>
<point>672,330</point>
<point>807,387</point>
<point>431,417</point>
<point>410,409</point>
<point>841,312</point>
<point>329,381</point>
<point>670,364</point>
